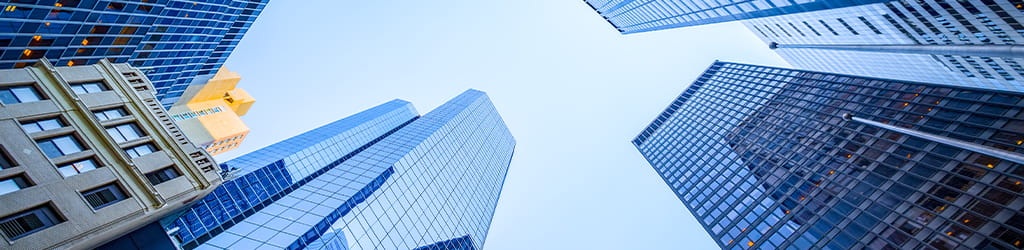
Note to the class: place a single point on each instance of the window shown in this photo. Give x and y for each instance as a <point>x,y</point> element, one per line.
<point>42,125</point>
<point>828,27</point>
<point>18,94</point>
<point>110,114</point>
<point>60,146</point>
<point>5,159</point>
<point>125,132</point>
<point>27,222</point>
<point>88,87</point>
<point>197,113</point>
<point>162,175</point>
<point>77,167</point>
<point>104,196</point>
<point>140,150</point>
<point>13,183</point>
<point>870,26</point>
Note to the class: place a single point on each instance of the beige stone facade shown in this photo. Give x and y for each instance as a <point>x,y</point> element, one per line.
<point>88,154</point>
<point>210,114</point>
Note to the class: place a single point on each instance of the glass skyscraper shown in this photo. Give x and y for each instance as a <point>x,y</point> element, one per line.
<point>174,42</point>
<point>764,158</point>
<point>385,178</point>
<point>635,16</point>
<point>821,40</point>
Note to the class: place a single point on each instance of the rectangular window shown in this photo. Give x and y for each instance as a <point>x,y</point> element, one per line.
<point>77,167</point>
<point>13,183</point>
<point>18,94</point>
<point>88,87</point>
<point>843,22</point>
<point>125,132</point>
<point>42,125</point>
<point>104,196</point>
<point>110,114</point>
<point>60,146</point>
<point>5,159</point>
<point>27,222</point>
<point>140,150</point>
<point>828,27</point>
<point>870,26</point>
<point>162,175</point>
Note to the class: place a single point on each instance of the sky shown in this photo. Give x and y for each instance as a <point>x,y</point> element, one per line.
<point>573,91</point>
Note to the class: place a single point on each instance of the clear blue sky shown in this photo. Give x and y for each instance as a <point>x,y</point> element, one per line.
<point>573,91</point>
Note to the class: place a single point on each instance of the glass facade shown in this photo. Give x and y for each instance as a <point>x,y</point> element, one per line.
<point>762,157</point>
<point>941,22</point>
<point>174,42</point>
<point>385,178</point>
<point>634,16</point>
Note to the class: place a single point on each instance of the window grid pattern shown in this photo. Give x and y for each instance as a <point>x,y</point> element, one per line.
<point>175,42</point>
<point>460,243</point>
<point>283,168</point>
<point>763,159</point>
<point>433,178</point>
<point>941,22</point>
<point>634,16</point>
<point>449,165</point>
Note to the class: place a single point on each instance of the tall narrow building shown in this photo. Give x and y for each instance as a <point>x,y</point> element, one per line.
<point>768,158</point>
<point>87,154</point>
<point>176,43</point>
<point>636,16</point>
<point>385,178</point>
<point>968,43</point>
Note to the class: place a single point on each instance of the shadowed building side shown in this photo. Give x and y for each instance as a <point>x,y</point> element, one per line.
<point>764,158</point>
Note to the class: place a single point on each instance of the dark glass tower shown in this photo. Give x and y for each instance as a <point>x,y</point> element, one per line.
<point>634,16</point>
<point>764,159</point>
<point>174,42</point>
<point>385,178</point>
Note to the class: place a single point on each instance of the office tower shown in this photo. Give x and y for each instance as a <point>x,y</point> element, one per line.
<point>764,158</point>
<point>174,42</point>
<point>384,178</point>
<point>967,43</point>
<point>209,114</point>
<point>635,16</point>
<point>88,154</point>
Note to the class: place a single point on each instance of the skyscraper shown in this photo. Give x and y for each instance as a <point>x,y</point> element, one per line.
<point>174,42</point>
<point>942,41</point>
<point>384,178</point>
<point>764,158</point>
<point>87,154</point>
<point>210,113</point>
<point>635,16</point>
